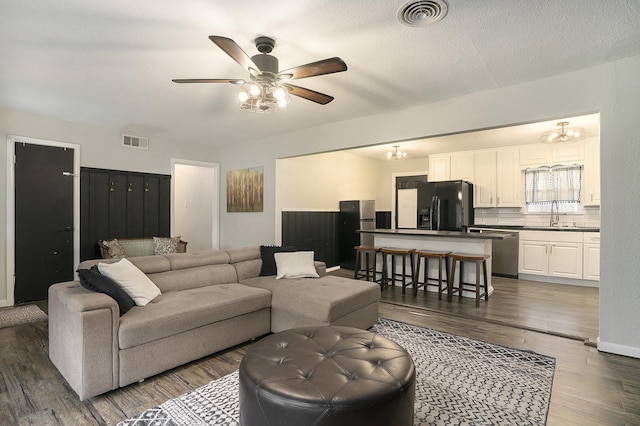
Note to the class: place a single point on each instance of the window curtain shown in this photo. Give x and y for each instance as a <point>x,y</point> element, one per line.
<point>558,183</point>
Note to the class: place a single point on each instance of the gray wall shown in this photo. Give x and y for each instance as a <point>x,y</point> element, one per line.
<point>611,89</point>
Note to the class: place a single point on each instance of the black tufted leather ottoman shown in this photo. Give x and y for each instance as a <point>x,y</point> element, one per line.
<point>326,376</point>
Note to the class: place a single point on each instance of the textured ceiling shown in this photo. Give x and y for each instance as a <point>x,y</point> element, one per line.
<point>111,63</point>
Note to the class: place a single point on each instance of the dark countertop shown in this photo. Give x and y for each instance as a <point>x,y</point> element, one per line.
<point>446,234</point>
<point>538,228</point>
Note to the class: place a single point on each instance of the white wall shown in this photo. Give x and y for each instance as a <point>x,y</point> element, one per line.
<point>612,89</point>
<point>99,147</point>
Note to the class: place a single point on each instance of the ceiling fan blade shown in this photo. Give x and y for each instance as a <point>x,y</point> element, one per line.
<point>309,94</point>
<point>326,66</point>
<point>232,49</point>
<point>209,80</point>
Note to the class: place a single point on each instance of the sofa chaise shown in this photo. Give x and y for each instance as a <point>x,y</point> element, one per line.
<point>209,301</point>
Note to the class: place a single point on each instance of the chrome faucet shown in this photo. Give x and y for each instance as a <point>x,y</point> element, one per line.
<point>554,219</point>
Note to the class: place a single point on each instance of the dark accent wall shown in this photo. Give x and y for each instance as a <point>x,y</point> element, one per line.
<point>121,204</point>
<point>317,231</point>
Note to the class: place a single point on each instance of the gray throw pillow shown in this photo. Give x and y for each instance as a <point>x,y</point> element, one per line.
<point>93,280</point>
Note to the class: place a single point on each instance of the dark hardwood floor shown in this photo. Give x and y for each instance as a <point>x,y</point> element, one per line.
<point>566,310</point>
<point>590,388</point>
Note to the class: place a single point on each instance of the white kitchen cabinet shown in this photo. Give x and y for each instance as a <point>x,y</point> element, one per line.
<point>462,166</point>
<point>591,173</point>
<point>551,253</point>
<point>535,155</point>
<point>439,167</point>
<point>509,188</point>
<point>547,154</point>
<point>497,178</point>
<point>484,185</point>
<point>567,152</point>
<point>591,256</point>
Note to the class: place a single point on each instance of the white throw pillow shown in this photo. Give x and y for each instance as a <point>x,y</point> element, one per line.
<point>132,280</point>
<point>297,264</point>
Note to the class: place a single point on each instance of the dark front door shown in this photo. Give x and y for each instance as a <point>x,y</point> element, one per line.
<point>43,219</point>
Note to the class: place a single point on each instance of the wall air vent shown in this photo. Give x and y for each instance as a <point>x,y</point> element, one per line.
<point>417,13</point>
<point>131,141</point>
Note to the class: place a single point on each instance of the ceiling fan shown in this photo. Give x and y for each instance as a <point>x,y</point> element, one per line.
<point>268,89</point>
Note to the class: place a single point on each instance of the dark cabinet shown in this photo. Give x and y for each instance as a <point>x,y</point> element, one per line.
<point>121,204</point>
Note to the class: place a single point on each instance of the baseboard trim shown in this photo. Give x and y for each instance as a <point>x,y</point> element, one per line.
<point>617,349</point>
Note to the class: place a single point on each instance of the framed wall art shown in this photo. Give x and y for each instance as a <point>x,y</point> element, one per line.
<point>245,188</point>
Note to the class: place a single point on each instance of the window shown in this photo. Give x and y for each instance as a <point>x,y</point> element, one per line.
<point>544,185</point>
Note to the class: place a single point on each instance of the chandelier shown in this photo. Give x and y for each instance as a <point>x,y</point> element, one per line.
<point>263,95</point>
<point>395,154</point>
<point>564,133</point>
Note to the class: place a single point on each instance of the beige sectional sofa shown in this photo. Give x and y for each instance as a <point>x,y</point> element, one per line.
<point>210,301</point>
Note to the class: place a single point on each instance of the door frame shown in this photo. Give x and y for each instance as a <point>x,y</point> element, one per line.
<point>11,202</point>
<point>215,217</point>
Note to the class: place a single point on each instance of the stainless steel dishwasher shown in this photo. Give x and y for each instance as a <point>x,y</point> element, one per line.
<point>504,253</point>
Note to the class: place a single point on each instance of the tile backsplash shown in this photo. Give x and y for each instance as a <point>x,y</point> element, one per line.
<point>514,217</point>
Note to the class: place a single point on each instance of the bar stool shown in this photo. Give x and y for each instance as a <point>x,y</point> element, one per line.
<point>440,257</point>
<point>481,267</point>
<point>406,255</point>
<point>369,272</point>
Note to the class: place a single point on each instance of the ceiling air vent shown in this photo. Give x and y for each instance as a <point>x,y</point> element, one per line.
<point>420,13</point>
<point>131,141</point>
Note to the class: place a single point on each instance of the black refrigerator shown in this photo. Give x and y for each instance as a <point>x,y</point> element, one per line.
<point>354,216</point>
<point>445,206</point>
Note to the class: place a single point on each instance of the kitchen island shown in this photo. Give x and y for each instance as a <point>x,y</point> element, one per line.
<point>453,241</point>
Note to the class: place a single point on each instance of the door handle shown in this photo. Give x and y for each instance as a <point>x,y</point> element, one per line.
<point>67,229</point>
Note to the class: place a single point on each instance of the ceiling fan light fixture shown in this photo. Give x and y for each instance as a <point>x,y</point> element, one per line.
<point>263,97</point>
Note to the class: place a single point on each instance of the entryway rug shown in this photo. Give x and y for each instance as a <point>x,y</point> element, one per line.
<point>459,381</point>
<point>20,314</point>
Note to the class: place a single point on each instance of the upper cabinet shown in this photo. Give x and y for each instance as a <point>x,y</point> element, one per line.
<point>546,154</point>
<point>462,166</point>
<point>439,167</point>
<point>591,175</point>
<point>567,152</point>
<point>508,178</point>
<point>497,178</point>
<point>484,185</point>
<point>535,155</point>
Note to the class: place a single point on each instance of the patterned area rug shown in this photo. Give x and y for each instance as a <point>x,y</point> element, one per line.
<point>20,314</point>
<point>459,381</point>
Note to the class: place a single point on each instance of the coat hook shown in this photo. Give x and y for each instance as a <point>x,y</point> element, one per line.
<point>130,189</point>
<point>112,187</point>
<point>146,187</point>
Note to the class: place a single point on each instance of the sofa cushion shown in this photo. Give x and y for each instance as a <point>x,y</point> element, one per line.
<point>132,280</point>
<point>324,299</point>
<point>268,261</point>
<point>184,279</point>
<point>176,312</point>
<point>195,259</point>
<point>243,254</point>
<point>295,265</point>
<point>93,280</point>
